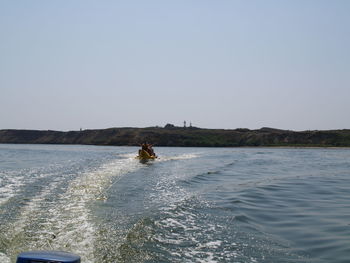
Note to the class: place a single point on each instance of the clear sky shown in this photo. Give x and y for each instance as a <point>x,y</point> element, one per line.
<point>66,65</point>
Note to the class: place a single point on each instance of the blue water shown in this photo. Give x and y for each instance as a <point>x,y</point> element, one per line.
<point>190,205</point>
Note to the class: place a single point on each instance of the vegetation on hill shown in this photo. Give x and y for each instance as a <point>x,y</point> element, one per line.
<point>171,135</point>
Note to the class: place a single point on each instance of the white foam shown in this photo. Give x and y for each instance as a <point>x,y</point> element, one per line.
<point>182,227</point>
<point>213,244</point>
<point>65,223</point>
<point>9,186</point>
<point>178,157</point>
<point>4,258</point>
<point>128,155</point>
<point>12,181</point>
<point>72,217</point>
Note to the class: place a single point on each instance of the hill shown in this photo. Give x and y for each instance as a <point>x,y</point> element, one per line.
<point>179,136</point>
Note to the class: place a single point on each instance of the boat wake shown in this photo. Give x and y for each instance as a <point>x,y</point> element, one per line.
<point>178,157</point>
<point>61,220</point>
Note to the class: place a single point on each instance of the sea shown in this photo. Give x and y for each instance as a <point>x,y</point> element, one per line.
<point>189,205</point>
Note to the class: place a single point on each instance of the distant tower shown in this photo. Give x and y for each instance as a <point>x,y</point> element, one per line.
<point>190,124</point>
<point>184,124</point>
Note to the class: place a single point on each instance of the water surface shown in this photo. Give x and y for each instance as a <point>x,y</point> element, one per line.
<point>190,205</point>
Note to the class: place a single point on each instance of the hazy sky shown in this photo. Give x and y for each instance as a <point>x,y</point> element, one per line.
<point>66,65</point>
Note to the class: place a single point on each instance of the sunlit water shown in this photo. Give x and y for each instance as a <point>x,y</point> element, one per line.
<point>190,205</point>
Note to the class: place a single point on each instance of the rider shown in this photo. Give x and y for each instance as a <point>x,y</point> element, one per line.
<point>148,148</point>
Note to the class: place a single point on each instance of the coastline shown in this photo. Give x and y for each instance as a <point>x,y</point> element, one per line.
<point>183,137</point>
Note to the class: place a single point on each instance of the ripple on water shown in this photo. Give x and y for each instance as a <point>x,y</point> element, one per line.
<point>217,205</point>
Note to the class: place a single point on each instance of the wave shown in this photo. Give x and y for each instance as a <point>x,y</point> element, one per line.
<point>178,157</point>
<point>188,233</point>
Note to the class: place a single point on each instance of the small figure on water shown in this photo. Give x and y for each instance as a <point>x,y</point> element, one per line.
<point>146,151</point>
